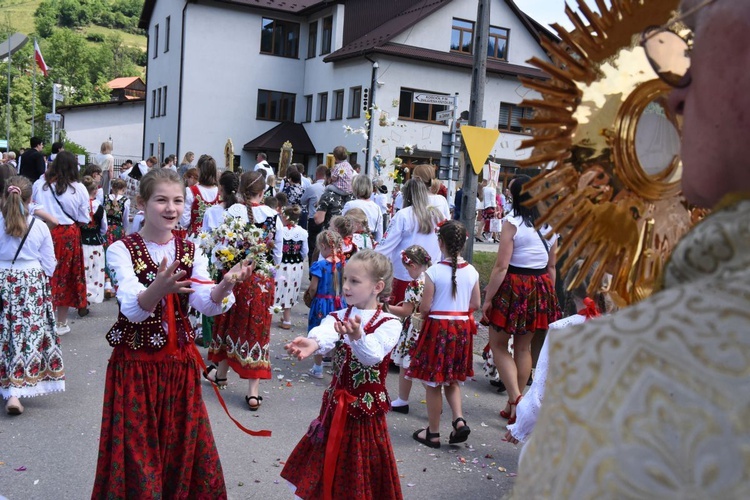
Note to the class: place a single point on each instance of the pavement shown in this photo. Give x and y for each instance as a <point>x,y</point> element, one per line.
<point>50,451</point>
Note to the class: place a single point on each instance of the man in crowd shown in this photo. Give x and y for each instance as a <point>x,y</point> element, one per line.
<point>31,164</point>
<point>653,401</point>
<point>309,203</point>
<point>263,164</point>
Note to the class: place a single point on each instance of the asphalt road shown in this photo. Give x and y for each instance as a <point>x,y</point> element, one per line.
<point>50,451</point>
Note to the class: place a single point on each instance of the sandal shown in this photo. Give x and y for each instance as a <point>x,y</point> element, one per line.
<point>258,401</point>
<point>512,420</point>
<point>285,325</point>
<point>221,383</point>
<point>427,440</point>
<point>14,406</point>
<point>459,434</point>
<point>511,404</point>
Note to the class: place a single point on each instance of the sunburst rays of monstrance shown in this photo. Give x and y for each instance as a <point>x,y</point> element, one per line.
<point>615,211</point>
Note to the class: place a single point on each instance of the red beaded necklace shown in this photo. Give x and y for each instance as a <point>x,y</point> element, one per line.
<point>370,323</point>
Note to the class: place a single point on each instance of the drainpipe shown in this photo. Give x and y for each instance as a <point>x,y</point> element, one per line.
<point>371,125</point>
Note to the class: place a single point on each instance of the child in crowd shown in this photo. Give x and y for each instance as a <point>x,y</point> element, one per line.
<point>290,272</point>
<point>342,173</point>
<point>92,238</point>
<point>324,293</point>
<point>355,460</point>
<point>271,202</point>
<point>191,177</point>
<point>156,438</point>
<point>28,339</point>
<point>117,209</point>
<point>95,171</point>
<point>442,356</point>
<point>361,235</point>
<point>416,260</point>
<point>345,228</point>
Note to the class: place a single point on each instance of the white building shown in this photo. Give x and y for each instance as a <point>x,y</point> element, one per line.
<point>119,120</point>
<point>264,72</point>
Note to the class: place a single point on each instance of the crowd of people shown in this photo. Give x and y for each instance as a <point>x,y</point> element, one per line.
<point>613,399</point>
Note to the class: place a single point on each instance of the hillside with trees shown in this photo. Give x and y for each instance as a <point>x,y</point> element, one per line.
<point>85,43</point>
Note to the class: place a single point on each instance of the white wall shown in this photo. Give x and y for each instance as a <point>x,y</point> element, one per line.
<point>123,122</point>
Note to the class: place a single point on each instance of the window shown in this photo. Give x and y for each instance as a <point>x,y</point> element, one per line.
<point>415,110</point>
<point>322,106</point>
<point>462,36</point>
<point>497,48</point>
<point>161,152</point>
<point>153,103</point>
<point>167,29</point>
<point>337,111</point>
<point>158,102</point>
<point>276,106</point>
<point>326,42</point>
<point>156,41</point>
<point>164,102</point>
<point>279,38</point>
<point>151,149</point>
<point>312,40</point>
<point>308,108</point>
<point>355,102</point>
<point>510,116</point>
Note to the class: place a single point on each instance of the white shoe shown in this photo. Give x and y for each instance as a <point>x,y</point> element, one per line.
<point>62,329</point>
<point>316,373</point>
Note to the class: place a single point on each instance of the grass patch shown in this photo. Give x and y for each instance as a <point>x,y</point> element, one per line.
<point>483,262</point>
<point>20,14</point>
<point>128,39</point>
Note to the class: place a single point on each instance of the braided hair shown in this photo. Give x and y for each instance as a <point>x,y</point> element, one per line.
<point>251,185</point>
<point>453,235</point>
<point>230,184</point>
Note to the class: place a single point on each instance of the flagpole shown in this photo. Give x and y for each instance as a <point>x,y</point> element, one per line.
<point>33,94</point>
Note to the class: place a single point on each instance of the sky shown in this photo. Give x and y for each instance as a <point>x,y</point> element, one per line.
<point>548,11</point>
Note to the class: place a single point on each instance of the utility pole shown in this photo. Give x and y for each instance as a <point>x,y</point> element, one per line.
<point>476,106</point>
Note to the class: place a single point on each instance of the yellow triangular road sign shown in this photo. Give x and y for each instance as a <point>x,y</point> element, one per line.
<point>479,142</point>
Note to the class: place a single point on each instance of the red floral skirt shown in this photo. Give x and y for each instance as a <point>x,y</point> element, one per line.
<point>443,353</point>
<point>242,335</point>
<point>69,280</point>
<point>365,469</point>
<point>524,304</point>
<point>398,291</point>
<point>156,439</point>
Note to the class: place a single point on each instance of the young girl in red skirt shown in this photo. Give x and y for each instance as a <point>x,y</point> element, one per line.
<point>240,338</point>
<point>442,357</point>
<point>201,196</point>
<point>156,439</point>
<point>520,298</point>
<point>67,200</point>
<point>347,452</point>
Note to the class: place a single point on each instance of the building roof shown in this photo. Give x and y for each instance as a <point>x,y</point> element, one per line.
<point>290,6</point>
<point>69,107</point>
<point>378,40</point>
<point>125,82</point>
<point>273,139</point>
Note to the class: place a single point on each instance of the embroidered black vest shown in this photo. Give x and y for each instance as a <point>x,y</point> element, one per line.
<point>150,333</point>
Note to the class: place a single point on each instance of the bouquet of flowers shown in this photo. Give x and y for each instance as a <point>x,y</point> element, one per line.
<point>399,171</point>
<point>234,241</point>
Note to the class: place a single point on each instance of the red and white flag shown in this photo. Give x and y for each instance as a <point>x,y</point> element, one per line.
<point>39,59</point>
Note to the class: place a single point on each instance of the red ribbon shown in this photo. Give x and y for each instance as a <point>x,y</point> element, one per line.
<point>590,311</point>
<point>335,433</point>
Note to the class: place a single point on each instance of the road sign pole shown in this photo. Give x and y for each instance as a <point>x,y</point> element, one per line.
<point>54,108</point>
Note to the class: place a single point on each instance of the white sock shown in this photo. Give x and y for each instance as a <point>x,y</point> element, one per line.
<point>399,402</point>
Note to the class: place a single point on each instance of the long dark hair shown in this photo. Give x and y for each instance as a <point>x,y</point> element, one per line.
<point>63,172</point>
<point>529,214</point>
<point>230,184</point>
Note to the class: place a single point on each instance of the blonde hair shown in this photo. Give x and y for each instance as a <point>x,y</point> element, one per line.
<point>342,225</point>
<point>415,196</point>
<point>358,216</point>
<point>106,148</point>
<point>15,198</point>
<point>361,187</point>
<point>153,178</point>
<point>328,239</point>
<point>379,268</point>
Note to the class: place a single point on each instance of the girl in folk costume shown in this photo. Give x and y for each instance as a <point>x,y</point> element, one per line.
<point>416,260</point>
<point>68,201</point>
<point>347,451</point>
<point>241,337</point>
<point>442,357</point>
<point>323,296</point>
<point>92,237</point>
<point>117,209</point>
<point>291,270</point>
<point>345,228</point>
<point>30,356</point>
<point>201,196</point>
<point>362,236</point>
<point>145,451</point>
<point>584,308</point>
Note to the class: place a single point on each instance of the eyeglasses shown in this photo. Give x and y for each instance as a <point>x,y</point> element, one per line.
<point>669,53</point>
